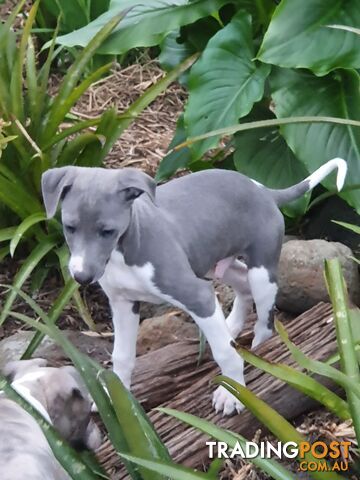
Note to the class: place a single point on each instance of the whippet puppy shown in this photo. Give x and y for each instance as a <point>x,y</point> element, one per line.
<point>61,398</point>
<point>156,244</point>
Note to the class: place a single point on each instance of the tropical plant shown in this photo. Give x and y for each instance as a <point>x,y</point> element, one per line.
<point>44,134</point>
<point>258,64</point>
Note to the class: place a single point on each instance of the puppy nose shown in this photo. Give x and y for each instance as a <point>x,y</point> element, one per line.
<point>83,278</point>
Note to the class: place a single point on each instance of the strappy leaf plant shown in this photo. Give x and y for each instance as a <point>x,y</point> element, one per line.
<point>44,134</point>
<point>127,426</point>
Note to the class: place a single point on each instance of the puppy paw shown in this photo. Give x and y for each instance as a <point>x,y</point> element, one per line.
<point>224,401</point>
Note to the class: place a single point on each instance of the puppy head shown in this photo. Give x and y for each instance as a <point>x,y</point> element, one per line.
<point>95,210</point>
<point>63,395</point>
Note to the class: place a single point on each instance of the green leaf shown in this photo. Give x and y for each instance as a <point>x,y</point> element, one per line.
<point>302,382</point>
<point>344,336</point>
<point>174,50</point>
<point>337,95</point>
<point>267,465</point>
<point>23,227</point>
<point>17,198</point>
<point>297,26</point>
<point>16,83</point>
<point>60,106</point>
<point>349,226</point>
<point>56,310</point>
<point>24,272</point>
<point>264,156</point>
<point>89,371</point>
<point>7,233</point>
<point>74,148</point>
<point>167,469</point>
<point>225,83</point>
<point>268,124</point>
<point>273,421</point>
<point>174,160</point>
<point>140,434</point>
<point>145,25</point>
<point>315,366</point>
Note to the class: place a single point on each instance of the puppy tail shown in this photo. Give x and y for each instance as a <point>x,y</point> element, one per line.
<point>292,193</point>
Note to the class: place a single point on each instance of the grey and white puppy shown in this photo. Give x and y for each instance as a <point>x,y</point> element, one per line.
<point>143,243</point>
<point>61,397</point>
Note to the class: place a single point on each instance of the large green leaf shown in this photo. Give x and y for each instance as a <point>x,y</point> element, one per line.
<point>145,25</point>
<point>298,93</point>
<point>225,82</point>
<point>298,35</point>
<point>262,154</point>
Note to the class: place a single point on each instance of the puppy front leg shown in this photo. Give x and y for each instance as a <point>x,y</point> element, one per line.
<point>126,324</point>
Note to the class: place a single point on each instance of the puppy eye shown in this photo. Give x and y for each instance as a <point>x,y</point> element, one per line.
<point>70,229</point>
<point>107,232</point>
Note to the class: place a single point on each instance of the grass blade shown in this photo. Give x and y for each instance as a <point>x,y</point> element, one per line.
<point>349,226</point>
<point>16,83</point>
<point>89,375</point>
<point>7,233</point>
<point>269,466</point>
<point>345,341</point>
<point>300,381</point>
<point>63,256</point>
<point>177,472</point>
<point>31,79</point>
<point>54,313</point>
<point>60,105</point>
<point>25,270</point>
<point>277,424</point>
<point>23,227</point>
<point>316,366</point>
<point>141,436</point>
<point>266,123</point>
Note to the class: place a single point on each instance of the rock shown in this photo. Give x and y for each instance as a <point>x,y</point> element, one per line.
<point>157,332</point>
<point>97,346</point>
<point>301,273</point>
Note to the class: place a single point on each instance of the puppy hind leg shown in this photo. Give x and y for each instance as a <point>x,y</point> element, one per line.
<point>230,362</point>
<point>264,289</point>
<point>236,276</point>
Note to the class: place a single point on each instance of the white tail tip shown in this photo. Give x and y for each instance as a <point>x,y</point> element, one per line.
<point>341,172</point>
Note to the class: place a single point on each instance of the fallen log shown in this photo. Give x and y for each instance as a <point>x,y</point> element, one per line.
<point>192,390</point>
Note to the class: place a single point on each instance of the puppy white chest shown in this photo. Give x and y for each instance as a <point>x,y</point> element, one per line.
<point>131,282</point>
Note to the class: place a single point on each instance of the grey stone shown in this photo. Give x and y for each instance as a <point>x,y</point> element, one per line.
<point>301,273</point>
<point>157,332</point>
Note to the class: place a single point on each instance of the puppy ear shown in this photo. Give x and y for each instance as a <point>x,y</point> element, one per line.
<point>20,367</point>
<point>55,183</point>
<point>133,183</point>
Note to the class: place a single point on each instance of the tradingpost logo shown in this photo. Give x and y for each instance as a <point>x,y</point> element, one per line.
<point>312,457</point>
